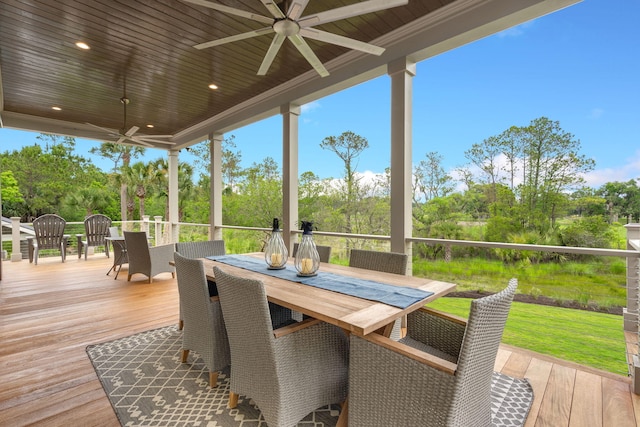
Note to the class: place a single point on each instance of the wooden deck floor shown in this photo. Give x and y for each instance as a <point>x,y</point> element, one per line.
<point>50,312</point>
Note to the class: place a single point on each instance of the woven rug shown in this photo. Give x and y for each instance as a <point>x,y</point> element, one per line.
<point>147,385</point>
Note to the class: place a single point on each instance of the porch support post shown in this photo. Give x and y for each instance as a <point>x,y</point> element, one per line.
<point>173,196</point>
<point>630,312</point>
<point>215,197</point>
<point>401,73</point>
<point>16,253</point>
<point>290,114</point>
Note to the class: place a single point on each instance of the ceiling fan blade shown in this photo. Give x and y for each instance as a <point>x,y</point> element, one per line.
<point>349,11</point>
<point>109,131</point>
<point>237,37</point>
<point>296,9</point>
<point>131,131</point>
<point>311,57</point>
<point>274,9</point>
<point>148,141</point>
<point>153,136</point>
<point>271,54</point>
<point>233,11</point>
<point>121,139</point>
<point>347,42</point>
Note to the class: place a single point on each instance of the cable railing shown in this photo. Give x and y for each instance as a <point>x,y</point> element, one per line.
<point>570,302</point>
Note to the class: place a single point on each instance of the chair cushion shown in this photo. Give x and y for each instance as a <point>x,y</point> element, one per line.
<point>428,349</point>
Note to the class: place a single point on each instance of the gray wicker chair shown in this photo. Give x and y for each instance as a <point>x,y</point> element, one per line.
<point>96,228</point>
<point>388,262</point>
<point>49,234</point>
<point>199,250</point>
<point>323,251</point>
<point>204,330</point>
<point>146,260</point>
<point>288,372</point>
<point>439,375</point>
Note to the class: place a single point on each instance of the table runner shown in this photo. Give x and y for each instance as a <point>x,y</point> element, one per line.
<point>397,296</point>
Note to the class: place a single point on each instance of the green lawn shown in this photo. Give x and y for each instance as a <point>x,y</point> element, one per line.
<point>587,338</point>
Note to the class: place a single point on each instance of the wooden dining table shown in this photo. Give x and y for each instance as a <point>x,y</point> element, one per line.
<point>353,314</point>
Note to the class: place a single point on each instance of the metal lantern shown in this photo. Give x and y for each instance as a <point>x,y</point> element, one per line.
<point>276,253</point>
<point>307,259</point>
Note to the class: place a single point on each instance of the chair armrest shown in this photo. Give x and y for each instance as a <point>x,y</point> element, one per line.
<point>295,327</point>
<point>447,316</point>
<point>412,353</point>
<point>439,330</point>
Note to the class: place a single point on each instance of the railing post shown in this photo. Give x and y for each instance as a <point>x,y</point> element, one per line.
<point>630,313</point>
<point>158,230</point>
<point>16,253</point>
<point>144,225</point>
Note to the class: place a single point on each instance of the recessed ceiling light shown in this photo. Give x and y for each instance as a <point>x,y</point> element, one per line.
<point>82,45</point>
<point>213,86</point>
<point>56,108</point>
<point>149,125</point>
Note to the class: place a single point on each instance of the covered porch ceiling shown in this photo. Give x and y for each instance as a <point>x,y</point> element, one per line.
<point>148,45</point>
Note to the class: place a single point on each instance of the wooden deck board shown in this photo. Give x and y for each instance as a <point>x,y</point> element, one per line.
<point>49,313</point>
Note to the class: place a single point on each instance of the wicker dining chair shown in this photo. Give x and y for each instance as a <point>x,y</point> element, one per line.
<point>146,260</point>
<point>204,329</point>
<point>440,374</point>
<point>388,262</point>
<point>288,372</point>
<point>96,228</point>
<point>323,251</point>
<point>49,234</point>
<point>201,249</point>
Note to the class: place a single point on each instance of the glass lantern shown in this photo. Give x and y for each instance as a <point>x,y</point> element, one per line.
<point>307,259</point>
<point>276,254</point>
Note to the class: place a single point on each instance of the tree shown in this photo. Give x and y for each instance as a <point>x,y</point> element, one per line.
<point>121,156</point>
<point>11,196</point>
<point>550,165</point>
<point>144,179</point>
<point>430,179</point>
<point>348,146</point>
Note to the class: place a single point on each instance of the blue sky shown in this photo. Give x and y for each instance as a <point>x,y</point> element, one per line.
<point>579,66</point>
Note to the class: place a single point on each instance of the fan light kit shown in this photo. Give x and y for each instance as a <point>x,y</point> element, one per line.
<point>128,135</point>
<point>295,27</point>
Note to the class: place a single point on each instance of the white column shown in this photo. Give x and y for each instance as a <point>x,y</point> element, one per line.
<point>16,254</point>
<point>173,196</point>
<point>290,114</point>
<point>215,197</point>
<point>401,73</point>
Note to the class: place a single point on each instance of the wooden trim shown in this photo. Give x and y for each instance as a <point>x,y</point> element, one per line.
<point>289,329</point>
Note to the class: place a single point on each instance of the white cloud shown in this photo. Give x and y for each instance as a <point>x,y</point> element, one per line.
<point>516,31</point>
<point>596,113</point>
<point>307,108</point>
<point>629,170</point>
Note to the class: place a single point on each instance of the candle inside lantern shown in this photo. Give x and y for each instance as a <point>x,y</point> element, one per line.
<point>306,266</point>
<point>276,259</point>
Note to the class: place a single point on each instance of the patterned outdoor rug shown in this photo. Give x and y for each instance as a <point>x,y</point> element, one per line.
<point>149,386</point>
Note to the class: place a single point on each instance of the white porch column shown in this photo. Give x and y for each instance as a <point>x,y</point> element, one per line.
<point>401,73</point>
<point>290,114</point>
<point>173,196</point>
<point>215,197</point>
<point>16,254</point>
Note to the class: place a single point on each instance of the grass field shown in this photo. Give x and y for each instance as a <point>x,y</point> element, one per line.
<point>587,338</point>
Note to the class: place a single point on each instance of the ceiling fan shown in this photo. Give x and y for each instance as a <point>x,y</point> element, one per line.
<point>125,134</point>
<point>295,27</point>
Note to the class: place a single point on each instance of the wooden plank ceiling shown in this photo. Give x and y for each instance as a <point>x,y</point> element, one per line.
<point>148,45</point>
